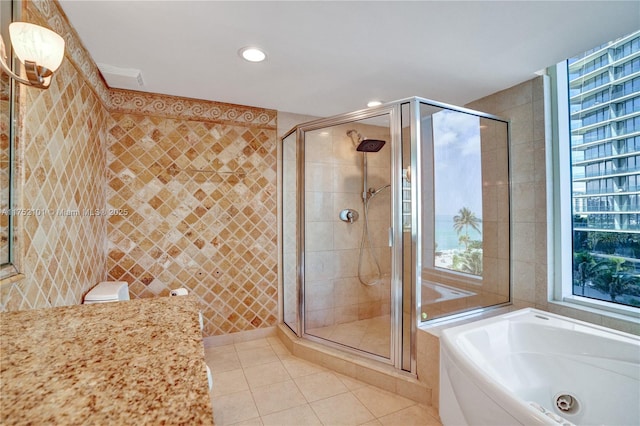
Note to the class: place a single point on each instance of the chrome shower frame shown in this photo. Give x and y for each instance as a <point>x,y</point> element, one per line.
<point>394,110</point>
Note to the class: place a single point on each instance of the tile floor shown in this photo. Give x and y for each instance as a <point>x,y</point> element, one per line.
<point>372,335</point>
<point>260,383</point>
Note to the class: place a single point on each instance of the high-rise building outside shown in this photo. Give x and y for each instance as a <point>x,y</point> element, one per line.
<point>604,99</point>
<point>604,108</point>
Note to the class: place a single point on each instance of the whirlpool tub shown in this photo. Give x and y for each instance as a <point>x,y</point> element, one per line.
<point>531,367</point>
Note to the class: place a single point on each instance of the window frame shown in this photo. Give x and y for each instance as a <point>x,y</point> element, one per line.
<point>560,238</point>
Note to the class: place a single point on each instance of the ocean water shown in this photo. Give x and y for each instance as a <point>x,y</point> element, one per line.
<point>447,237</point>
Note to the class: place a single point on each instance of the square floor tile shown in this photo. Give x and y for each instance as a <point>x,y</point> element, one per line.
<point>257,356</point>
<point>277,397</point>
<point>297,416</point>
<point>381,402</point>
<point>223,361</point>
<point>266,374</point>
<point>320,386</point>
<point>233,408</point>
<point>415,415</point>
<point>251,422</point>
<point>215,350</point>
<point>260,382</point>
<point>226,382</point>
<point>343,409</point>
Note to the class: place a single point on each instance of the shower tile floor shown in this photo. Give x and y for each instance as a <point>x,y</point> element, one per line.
<point>370,335</point>
<point>261,383</point>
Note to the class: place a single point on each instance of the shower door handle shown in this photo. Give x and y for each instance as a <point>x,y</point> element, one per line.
<point>390,237</point>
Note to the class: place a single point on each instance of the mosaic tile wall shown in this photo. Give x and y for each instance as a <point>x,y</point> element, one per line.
<point>62,141</point>
<point>214,233</point>
<point>197,206</point>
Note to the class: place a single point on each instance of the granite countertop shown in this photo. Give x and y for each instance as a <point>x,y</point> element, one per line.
<point>122,363</point>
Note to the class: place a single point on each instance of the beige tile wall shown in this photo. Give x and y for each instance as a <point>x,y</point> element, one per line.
<point>333,182</point>
<point>212,233</point>
<point>62,146</point>
<point>198,206</point>
<point>524,105</point>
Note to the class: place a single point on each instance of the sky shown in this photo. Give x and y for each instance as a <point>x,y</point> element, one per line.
<point>457,174</point>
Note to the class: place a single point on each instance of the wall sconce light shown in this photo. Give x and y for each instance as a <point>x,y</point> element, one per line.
<point>39,49</point>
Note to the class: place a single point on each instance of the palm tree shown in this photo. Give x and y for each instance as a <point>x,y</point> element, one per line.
<point>469,262</point>
<point>464,239</point>
<point>615,280</point>
<point>587,268</point>
<point>463,220</point>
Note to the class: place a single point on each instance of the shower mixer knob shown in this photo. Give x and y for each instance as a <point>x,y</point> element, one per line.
<point>349,215</point>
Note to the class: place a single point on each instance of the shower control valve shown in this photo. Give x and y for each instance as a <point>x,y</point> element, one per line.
<point>349,215</point>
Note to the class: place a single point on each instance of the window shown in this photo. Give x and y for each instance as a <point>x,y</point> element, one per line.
<point>599,179</point>
<point>596,117</point>
<point>458,207</point>
<point>592,100</point>
<point>594,135</point>
<point>627,88</point>
<point>598,151</point>
<point>628,107</point>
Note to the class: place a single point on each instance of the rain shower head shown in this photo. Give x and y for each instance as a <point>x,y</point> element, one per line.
<point>370,145</point>
<point>364,144</point>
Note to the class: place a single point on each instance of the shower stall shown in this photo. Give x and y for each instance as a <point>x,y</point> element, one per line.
<point>391,217</point>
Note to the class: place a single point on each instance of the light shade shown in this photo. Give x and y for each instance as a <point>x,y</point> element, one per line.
<point>36,44</point>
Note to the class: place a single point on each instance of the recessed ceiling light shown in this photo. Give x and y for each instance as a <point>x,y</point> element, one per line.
<point>252,54</point>
<point>374,103</point>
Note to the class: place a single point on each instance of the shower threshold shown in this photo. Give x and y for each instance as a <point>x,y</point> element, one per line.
<point>368,335</point>
<point>371,371</point>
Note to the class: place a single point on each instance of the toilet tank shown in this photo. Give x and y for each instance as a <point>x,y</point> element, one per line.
<point>108,291</point>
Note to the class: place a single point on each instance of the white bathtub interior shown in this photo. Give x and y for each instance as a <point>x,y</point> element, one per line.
<point>533,367</point>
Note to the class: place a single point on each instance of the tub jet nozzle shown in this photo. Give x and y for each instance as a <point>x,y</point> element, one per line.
<point>567,403</point>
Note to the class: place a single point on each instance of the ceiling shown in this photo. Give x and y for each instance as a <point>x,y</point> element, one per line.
<point>326,58</point>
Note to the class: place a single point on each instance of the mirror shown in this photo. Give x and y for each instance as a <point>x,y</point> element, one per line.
<point>5,138</point>
<point>7,144</point>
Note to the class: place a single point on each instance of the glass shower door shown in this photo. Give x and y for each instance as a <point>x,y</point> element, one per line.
<point>289,226</point>
<point>347,211</point>
<point>464,200</point>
